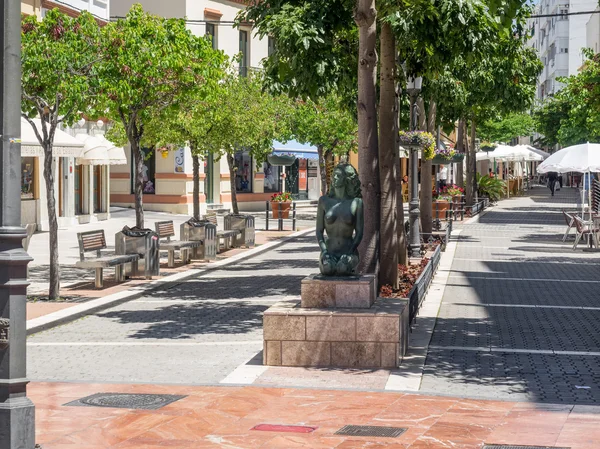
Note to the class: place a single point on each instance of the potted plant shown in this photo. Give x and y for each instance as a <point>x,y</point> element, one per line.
<point>420,139</point>
<point>487,146</point>
<point>440,205</point>
<point>492,188</point>
<point>281,160</point>
<point>455,192</point>
<point>446,155</point>
<point>281,200</point>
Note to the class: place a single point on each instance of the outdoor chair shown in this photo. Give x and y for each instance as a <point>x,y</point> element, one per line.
<point>570,220</point>
<point>585,229</point>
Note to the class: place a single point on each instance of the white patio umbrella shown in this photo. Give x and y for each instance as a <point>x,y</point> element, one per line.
<point>582,158</point>
<point>517,153</point>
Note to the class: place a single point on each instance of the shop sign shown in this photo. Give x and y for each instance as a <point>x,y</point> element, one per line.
<point>179,160</point>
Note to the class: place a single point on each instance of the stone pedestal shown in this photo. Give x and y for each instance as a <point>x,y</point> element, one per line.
<point>319,291</point>
<point>356,338</point>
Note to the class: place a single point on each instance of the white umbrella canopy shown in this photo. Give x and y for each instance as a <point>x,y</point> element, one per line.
<point>581,158</point>
<point>514,154</point>
<point>542,153</point>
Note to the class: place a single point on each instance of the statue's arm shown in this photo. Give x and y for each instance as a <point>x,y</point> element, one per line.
<point>360,222</point>
<point>321,224</point>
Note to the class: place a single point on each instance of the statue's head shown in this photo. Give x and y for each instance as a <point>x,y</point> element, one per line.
<point>345,175</point>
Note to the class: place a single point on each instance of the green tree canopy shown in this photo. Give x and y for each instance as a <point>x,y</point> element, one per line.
<point>150,65</point>
<point>504,129</point>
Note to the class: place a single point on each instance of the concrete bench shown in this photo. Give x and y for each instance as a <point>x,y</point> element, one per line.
<point>227,237</point>
<point>165,229</point>
<point>96,241</point>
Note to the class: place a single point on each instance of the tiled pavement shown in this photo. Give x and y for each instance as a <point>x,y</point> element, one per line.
<point>222,417</point>
<point>196,332</point>
<point>520,317</point>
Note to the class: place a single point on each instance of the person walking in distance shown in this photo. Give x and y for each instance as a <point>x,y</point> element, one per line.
<point>552,177</point>
<point>442,178</point>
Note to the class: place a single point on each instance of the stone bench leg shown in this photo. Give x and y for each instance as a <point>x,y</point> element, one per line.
<point>171,260</point>
<point>119,273</point>
<point>185,256</point>
<point>99,282</point>
<point>134,269</point>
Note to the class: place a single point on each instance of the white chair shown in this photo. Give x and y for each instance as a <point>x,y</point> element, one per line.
<point>586,229</point>
<point>570,224</point>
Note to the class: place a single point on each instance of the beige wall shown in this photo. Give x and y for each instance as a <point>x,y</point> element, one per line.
<point>30,7</point>
<point>169,9</point>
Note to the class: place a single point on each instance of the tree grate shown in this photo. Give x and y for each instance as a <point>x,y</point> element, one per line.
<point>508,446</point>
<point>371,431</point>
<point>126,400</point>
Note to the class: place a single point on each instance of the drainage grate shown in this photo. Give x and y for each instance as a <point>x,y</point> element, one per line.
<point>371,431</point>
<point>284,428</point>
<point>508,446</point>
<point>127,400</point>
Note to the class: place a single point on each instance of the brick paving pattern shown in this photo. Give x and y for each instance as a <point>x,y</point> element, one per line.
<point>520,317</point>
<point>196,332</point>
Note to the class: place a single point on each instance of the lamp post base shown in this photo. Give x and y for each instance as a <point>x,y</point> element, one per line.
<point>17,423</point>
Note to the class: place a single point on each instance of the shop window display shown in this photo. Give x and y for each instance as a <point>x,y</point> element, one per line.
<point>243,172</point>
<point>27,178</point>
<point>272,177</point>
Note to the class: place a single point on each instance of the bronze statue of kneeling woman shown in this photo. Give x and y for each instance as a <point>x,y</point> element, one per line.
<point>340,215</point>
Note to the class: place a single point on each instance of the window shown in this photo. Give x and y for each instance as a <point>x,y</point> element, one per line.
<point>271,46</point>
<point>211,30</point>
<point>148,170</point>
<point>243,172</point>
<point>27,178</point>
<point>564,14</point>
<point>244,52</point>
<point>272,177</point>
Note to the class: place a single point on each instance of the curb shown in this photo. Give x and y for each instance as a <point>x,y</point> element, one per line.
<point>476,218</point>
<point>73,313</point>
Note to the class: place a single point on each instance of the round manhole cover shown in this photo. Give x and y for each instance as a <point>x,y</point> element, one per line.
<point>127,400</point>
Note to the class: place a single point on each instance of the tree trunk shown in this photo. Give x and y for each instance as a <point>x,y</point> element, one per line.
<point>426,179</point>
<point>322,169</point>
<point>231,164</point>
<point>474,159</point>
<point>368,158</point>
<point>460,148</point>
<point>54,275</point>
<point>470,175</point>
<point>400,229</point>
<point>388,259</point>
<point>196,175</point>
<point>138,189</point>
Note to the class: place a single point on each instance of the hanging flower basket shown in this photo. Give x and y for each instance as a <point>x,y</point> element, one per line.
<point>419,139</point>
<point>487,146</point>
<point>281,160</point>
<point>441,160</point>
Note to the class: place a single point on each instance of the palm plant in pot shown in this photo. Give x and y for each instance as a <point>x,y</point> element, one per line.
<point>490,187</point>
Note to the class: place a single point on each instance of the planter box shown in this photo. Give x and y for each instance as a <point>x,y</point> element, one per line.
<point>439,209</point>
<point>285,209</point>
<point>348,338</point>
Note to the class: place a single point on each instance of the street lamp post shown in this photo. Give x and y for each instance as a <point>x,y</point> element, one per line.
<point>17,420</point>
<point>413,87</point>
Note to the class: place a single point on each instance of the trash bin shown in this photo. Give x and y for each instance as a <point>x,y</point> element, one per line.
<point>244,223</point>
<point>204,230</point>
<point>140,241</point>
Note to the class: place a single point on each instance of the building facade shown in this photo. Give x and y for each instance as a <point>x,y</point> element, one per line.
<point>169,184</point>
<point>81,186</point>
<point>559,40</point>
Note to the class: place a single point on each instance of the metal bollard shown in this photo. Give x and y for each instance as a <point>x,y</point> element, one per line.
<point>280,220</point>
<point>294,216</point>
<point>267,217</point>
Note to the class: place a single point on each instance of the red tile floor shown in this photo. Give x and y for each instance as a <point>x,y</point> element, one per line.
<point>221,417</point>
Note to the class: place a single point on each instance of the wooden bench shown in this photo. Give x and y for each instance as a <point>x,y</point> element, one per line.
<point>227,237</point>
<point>165,229</point>
<point>95,241</point>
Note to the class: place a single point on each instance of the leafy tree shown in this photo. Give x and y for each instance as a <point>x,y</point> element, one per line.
<point>59,57</point>
<point>504,129</point>
<point>150,66</point>
<point>330,126</point>
<point>548,118</point>
<point>249,119</point>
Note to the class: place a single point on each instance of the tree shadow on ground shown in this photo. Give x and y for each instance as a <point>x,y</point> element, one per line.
<point>184,321</point>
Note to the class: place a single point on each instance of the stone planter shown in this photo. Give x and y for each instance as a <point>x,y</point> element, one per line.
<point>439,209</point>
<point>285,209</point>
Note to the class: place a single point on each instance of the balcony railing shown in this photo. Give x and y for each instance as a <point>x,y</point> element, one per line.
<point>99,8</point>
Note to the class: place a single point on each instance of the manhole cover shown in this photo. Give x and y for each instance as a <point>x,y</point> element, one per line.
<point>371,431</point>
<point>508,446</point>
<point>284,428</point>
<point>127,400</point>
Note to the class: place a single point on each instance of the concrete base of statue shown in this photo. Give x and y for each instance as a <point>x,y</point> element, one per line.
<point>316,330</point>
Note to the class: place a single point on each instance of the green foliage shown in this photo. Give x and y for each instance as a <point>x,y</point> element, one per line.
<point>506,128</point>
<point>316,45</point>
<point>422,139</point>
<point>493,188</point>
<point>151,64</point>
<point>327,123</point>
<point>59,57</point>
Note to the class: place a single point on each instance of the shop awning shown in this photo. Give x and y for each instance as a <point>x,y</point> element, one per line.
<point>295,148</point>
<point>97,150</point>
<point>64,144</point>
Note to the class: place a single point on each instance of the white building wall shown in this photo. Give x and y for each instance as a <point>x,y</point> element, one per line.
<point>593,32</point>
<point>577,32</point>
